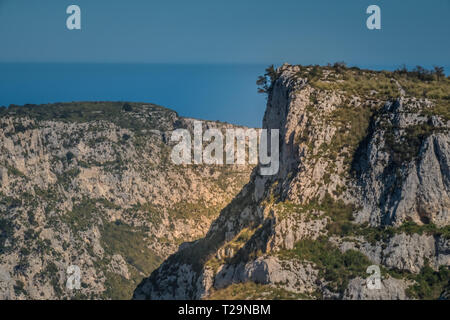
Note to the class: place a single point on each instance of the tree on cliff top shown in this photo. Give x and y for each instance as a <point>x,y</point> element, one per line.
<point>265,82</point>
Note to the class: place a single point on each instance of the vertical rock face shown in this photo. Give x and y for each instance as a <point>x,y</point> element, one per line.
<point>363,180</point>
<point>91,184</point>
<point>416,191</point>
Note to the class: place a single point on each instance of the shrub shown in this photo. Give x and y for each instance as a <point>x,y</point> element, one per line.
<point>6,232</point>
<point>127,107</point>
<point>19,288</point>
<point>69,156</point>
<point>335,267</point>
<point>266,81</point>
<point>429,283</point>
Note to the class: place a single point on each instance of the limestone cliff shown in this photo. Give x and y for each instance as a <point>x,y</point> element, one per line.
<point>92,185</point>
<point>364,180</point>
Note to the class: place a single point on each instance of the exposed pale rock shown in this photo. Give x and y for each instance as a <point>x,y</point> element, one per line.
<point>403,252</point>
<point>290,274</point>
<point>67,185</point>
<point>386,186</point>
<point>119,266</point>
<point>391,289</point>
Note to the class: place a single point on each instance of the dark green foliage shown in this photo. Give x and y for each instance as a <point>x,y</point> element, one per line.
<point>21,267</point>
<point>127,107</point>
<point>340,66</point>
<point>9,202</point>
<point>421,73</point>
<point>384,233</point>
<point>150,211</point>
<point>52,272</point>
<point>405,147</point>
<point>44,246</point>
<point>118,288</point>
<point>30,234</point>
<point>420,83</point>
<point>316,73</point>
<point>430,229</point>
<point>19,288</point>
<point>19,128</point>
<point>353,125</point>
<point>24,252</point>
<point>69,156</point>
<point>335,267</point>
<point>6,232</point>
<point>80,218</point>
<point>439,72</point>
<point>266,81</point>
<point>341,214</point>
<point>31,218</point>
<point>185,210</point>
<point>429,283</point>
<point>116,112</point>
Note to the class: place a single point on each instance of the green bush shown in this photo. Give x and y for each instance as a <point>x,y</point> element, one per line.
<point>405,147</point>
<point>6,233</point>
<point>19,288</point>
<point>69,156</point>
<point>127,107</point>
<point>429,283</point>
<point>80,218</point>
<point>335,267</point>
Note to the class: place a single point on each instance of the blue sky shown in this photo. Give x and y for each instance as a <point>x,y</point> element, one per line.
<point>227,31</point>
<point>205,55</point>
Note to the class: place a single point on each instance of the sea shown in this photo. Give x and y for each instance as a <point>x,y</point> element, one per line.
<point>225,92</point>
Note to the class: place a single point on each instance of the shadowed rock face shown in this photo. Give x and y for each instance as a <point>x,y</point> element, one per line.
<point>91,184</point>
<point>363,179</point>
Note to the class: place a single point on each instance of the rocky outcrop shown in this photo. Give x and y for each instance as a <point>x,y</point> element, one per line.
<point>363,180</point>
<point>291,274</point>
<point>92,185</point>
<point>391,289</point>
<point>402,251</point>
<point>422,187</point>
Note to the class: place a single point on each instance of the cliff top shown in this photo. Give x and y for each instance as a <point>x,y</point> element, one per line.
<point>431,85</point>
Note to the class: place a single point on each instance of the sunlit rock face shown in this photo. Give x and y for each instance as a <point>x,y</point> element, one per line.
<point>363,181</point>
<point>92,184</point>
